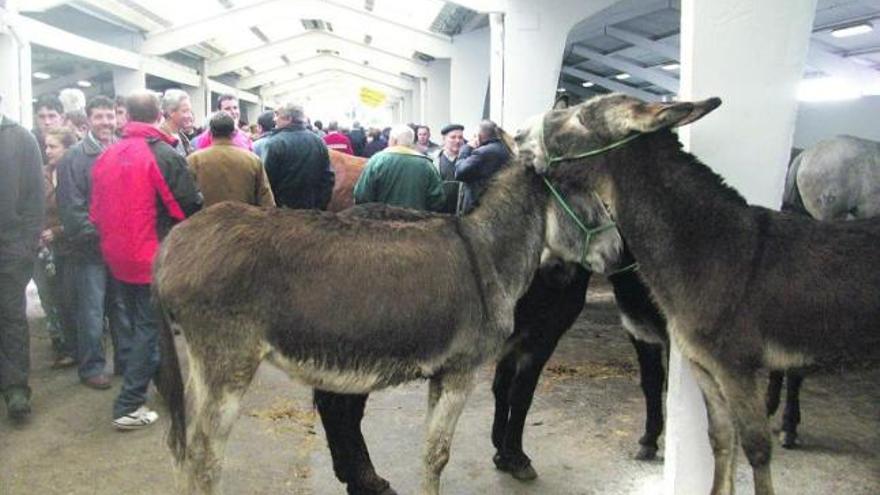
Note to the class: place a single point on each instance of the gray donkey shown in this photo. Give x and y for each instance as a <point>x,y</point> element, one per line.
<point>742,287</point>
<point>350,304</point>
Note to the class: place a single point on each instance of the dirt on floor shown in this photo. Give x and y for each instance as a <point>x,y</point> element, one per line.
<point>581,434</point>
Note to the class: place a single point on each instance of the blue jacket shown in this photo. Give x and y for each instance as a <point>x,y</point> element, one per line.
<point>298,166</point>
<point>475,167</point>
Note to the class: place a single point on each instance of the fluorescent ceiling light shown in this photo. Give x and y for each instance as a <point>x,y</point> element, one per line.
<point>560,90</point>
<point>672,66</point>
<point>84,84</point>
<point>622,76</point>
<point>41,75</point>
<point>587,84</point>
<point>853,30</point>
<point>827,89</point>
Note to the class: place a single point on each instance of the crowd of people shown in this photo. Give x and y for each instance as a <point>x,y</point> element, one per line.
<point>88,195</point>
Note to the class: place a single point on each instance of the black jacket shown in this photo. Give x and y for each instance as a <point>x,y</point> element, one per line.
<point>21,193</point>
<point>298,166</point>
<point>475,167</point>
<point>74,193</point>
<point>358,141</point>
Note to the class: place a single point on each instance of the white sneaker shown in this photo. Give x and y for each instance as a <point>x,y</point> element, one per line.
<point>140,418</point>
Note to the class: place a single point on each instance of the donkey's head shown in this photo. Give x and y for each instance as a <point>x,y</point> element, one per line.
<point>601,122</point>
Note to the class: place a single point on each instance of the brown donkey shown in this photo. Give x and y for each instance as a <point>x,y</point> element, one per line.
<point>742,287</point>
<point>427,296</point>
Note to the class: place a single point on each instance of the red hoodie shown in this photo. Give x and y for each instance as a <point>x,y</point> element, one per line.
<point>339,142</point>
<point>127,188</point>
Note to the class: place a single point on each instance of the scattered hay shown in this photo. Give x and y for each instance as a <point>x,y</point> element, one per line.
<point>593,371</point>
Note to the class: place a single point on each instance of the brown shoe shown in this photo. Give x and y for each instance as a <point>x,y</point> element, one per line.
<point>97,382</point>
<point>63,362</point>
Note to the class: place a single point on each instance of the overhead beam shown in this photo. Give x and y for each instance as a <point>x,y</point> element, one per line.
<point>270,91</point>
<point>241,94</point>
<point>336,78</point>
<point>482,6</point>
<point>307,65</point>
<point>620,12</point>
<point>662,80</point>
<point>835,65</point>
<point>306,44</point>
<point>348,84</point>
<point>610,84</point>
<point>577,90</point>
<point>667,51</point>
<point>175,38</point>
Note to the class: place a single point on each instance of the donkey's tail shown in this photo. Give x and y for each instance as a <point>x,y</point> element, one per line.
<point>170,382</point>
<point>791,197</point>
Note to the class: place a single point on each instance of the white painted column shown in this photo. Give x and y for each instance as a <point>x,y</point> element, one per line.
<point>534,42</point>
<point>469,78</point>
<point>496,67</point>
<point>126,81</point>
<point>423,101</point>
<point>16,86</point>
<point>751,53</point>
<point>200,97</point>
<point>437,101</point>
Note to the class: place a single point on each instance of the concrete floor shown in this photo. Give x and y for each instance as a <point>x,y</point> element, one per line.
<point>581,434</point>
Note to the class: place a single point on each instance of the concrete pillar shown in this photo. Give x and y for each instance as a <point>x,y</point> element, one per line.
<point>750,53</point>
<point>16,86</point>
<point>423,101</point>
<point>469,78</point>
<point>125,81</point>
<point>437,100</point>
<point>534,41</point>
<point>496,67</point>
<point>200,97</point>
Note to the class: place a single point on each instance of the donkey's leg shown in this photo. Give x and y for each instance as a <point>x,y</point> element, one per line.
<point>774,391</point>
<point>341,416</point>
<point>216,385</point>
<point>504,372</point>
<point>652,377</point>
<point>791,417</point>
<point>447,396</point>
<point>740,389</point>
<point>722,432</point>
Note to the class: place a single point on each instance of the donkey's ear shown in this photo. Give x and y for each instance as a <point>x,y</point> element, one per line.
<point>562,103</point>
<point>655,116</point>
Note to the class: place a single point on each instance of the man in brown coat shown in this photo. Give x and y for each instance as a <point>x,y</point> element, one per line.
<point>225,172</point>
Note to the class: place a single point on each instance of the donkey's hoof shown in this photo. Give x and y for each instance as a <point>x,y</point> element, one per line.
<point>788,439</point>
<point>646,453</point>
<point>521,470</point>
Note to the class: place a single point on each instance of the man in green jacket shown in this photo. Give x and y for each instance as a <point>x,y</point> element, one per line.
<point>400,176</point>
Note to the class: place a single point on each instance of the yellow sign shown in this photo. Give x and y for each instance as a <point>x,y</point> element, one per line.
<point>372,97</point>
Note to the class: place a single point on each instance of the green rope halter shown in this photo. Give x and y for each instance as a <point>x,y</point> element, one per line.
<point>588,232</point>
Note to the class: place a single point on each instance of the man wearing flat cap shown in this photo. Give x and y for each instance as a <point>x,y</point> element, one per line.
<point>453,138</point>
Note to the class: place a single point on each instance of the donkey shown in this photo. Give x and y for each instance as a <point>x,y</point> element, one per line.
<point>742,287</point>
<point>429,299</point>
<point>548,310</point>
<point>836,179</point>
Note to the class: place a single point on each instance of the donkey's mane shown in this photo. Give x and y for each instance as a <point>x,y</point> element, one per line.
<point>668,148</point>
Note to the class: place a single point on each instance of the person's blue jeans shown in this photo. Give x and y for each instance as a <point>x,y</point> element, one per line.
<point>143,357</point>
<point>97,295</point>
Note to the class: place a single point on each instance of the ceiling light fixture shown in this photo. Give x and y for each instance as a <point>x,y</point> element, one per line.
<point>854,30</point>
<point>671,66</point>
<point>622,76</point>
<point>84,84</point>
<point>560,90</point>
<point>41,75</point>
<point>587,84</point>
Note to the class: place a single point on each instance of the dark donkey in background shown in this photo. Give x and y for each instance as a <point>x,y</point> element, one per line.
<point>428,297</point>
<point>742,287</point>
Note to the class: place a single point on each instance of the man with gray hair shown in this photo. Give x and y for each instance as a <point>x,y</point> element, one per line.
<point>401,176</point>
<point>177,110</point>
<point>297,162</point>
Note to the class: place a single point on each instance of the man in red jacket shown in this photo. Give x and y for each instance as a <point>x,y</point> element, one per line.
<point>140,188</point>
<point>336,140</point>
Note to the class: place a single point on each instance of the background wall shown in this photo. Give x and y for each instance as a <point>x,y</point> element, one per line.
<point>816,121</point>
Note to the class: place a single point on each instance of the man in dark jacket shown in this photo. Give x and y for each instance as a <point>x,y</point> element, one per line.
<point>358,138</point>
<point>91,279</point>
<point>297,162</point>
<point>141,188</point>
<point>21,219</point>
<point>479,161</point>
